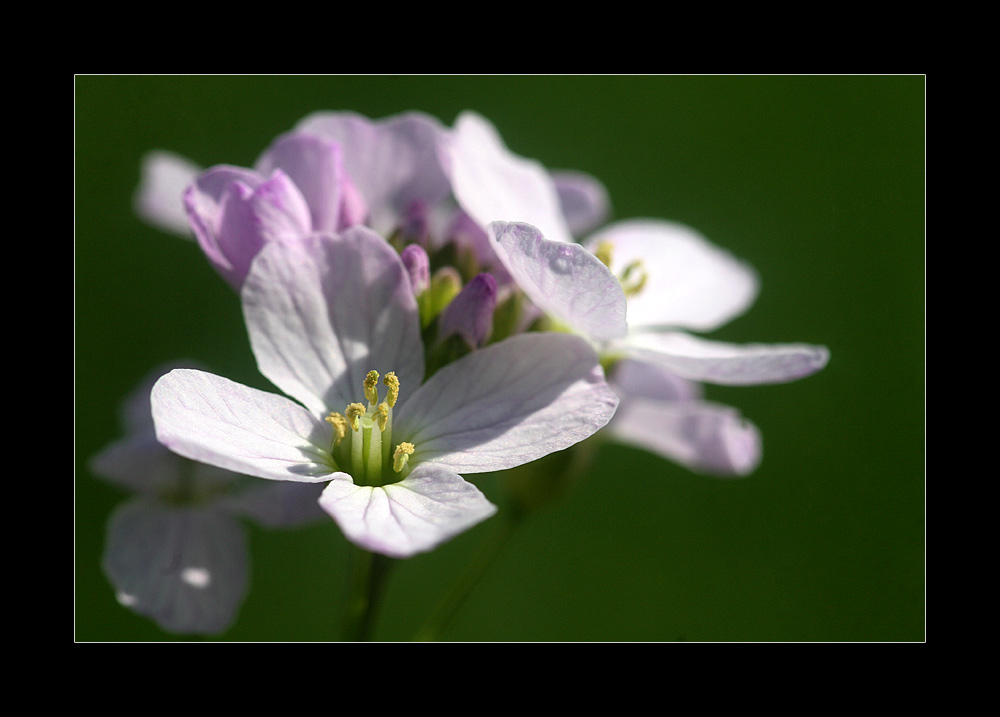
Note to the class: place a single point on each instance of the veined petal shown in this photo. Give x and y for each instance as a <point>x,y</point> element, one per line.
<point>507,404</point>
<point>213,420</point>
<point>725,363</point>
<point>563,279</point>
<point>159,197</point>
<point>583,199</point>
<point>314,165</point>
<point>690,282</point>
<point>705,437</point>
<point>186,568</point>
<point>491,183</point>
<point>423,510</point>
<point>323,313</point>
<point>393,162</point>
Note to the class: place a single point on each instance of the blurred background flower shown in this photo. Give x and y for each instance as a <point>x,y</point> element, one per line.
<point>817,182</point>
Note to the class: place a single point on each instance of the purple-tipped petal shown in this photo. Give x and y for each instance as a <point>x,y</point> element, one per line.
<point>718,362</point>
<point>159,198</point>
<point>564,280</point>
<point>470,314</point>
<point>418,266</point>
<point>314,164</point>
<point>186,568</point>
<point>507,404</point>
<point>413,516</point>
<point>323,313</point>
<point>583,200</point>
<point>491,183</point>
<point>705,437</point>
<point>213,420</point>
<point>690,282</point>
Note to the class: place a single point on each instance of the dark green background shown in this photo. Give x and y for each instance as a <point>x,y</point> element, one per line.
<point>817,181</point>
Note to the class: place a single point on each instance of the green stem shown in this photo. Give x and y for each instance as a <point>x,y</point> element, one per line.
<point>368,572</point>
<point>488,554</point>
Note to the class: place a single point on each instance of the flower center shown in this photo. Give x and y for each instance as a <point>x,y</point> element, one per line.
<point>632,278</point>
<point>362,436</point>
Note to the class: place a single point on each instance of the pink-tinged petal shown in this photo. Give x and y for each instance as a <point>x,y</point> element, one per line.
<point>393,162</point>
<point>718,362</point>
<point>413,516</point>
<point>273,211</point>
<point>159,198</point>
<point>276,504</point>
<point>186,568</point>
<point>508,404</point>
<point>213,420</point>
<point>583,199</point>
<point>690,282</point>
<point>563,279</point>
<point>634,379</point>
<point>493,184</point>
<point>705,437</point>
<point>324,312</point>
<point>314,165</point>
<point>470,314</point>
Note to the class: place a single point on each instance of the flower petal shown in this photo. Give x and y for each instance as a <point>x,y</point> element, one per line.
<point>563,279</point>
<point>393,162</point>
<point>186,568</point>
<point>705,437</point>
<point>323,313</point>
<point>276,504</point>
<point>413,516</point>
<point>730,364</point>
<point>691,283</point>
<point>632,379</point>
<point>213,420</point>
<point>508,404</point>
<point>583,200</point>
<point>491,183</point>
<point>314,165</point>
<point>159,197</point>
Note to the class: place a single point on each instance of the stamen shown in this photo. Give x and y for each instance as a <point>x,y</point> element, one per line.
<point>392,382</point>
<point>604,251</point>
<point>381,415</point>
<point>339,426</point>
<point>632,284</point>
<point>371,387</point>
<point>354,411</point>
<point>402,456</point>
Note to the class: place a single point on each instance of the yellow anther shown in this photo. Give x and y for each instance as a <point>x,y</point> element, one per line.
<point>604,251</point>
<point>392,382</point>
<point>402,456</point>
<point>632,284</point>
<point>339,424</point>
<point>371,387</point>
<point>353,412</point>
<point>381,416</point>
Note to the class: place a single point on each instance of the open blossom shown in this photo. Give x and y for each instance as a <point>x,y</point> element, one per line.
<point>334,323</point>
<point>635,289</point>
<point>176,550</point>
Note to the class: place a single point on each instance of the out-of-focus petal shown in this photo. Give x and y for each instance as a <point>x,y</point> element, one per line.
<point>563,279</point>
<point>186,568</point>
<point>507,404</point>
<point>276,504</point>
<point>393,162</point>
<point>492,184</point>
<point>159,197</point>
<point>583,199</point>
<point>724,363</point>
<point>314,164</point>
<point>470,314</point>
<point>705,437</point>
<point>323,313</point>
<point>633,379</point>
<point>214,420</point>
<point>425,509</point>
<point>691,283</point>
